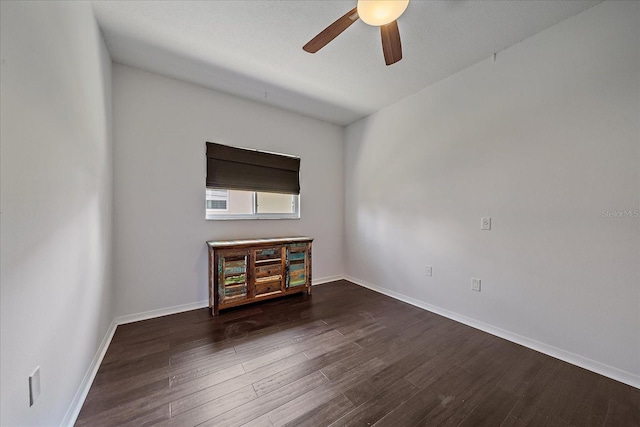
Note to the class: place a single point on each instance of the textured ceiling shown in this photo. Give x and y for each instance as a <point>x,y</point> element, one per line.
<point>253,49</point>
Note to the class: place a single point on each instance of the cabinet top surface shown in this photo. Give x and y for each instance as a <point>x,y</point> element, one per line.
<point>250,242</point>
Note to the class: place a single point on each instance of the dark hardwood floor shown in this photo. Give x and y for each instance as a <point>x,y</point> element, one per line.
<point>344,356</point>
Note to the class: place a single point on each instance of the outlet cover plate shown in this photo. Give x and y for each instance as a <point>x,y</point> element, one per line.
<point>485,223</point>
<point>34,386</point>
<point>429,271</point>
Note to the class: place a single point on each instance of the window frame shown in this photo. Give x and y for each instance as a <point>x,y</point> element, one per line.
<point>255,215</point>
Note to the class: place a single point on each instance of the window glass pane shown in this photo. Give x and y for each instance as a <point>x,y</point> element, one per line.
<point>229,202</point>
<point>240,202</point>
<point>274,203</point>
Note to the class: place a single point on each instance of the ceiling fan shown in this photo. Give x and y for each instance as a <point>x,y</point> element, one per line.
<point>378,13</point>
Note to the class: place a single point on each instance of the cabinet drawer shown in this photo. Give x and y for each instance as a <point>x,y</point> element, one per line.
<point>267,255</point>
<point>269,270</point>
<point>268,287</point>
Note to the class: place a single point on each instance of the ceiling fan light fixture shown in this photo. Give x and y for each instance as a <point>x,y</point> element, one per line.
<point>381,12</point>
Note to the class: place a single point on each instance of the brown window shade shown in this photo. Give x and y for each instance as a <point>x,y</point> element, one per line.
<point>240,169</point>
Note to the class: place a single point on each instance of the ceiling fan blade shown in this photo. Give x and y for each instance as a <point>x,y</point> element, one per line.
<point>332,31</point>
<point>391,46</point>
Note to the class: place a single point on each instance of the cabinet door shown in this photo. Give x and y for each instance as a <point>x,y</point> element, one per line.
<point>232,276</point>
<point>297,265</point>
<point>268,270</point>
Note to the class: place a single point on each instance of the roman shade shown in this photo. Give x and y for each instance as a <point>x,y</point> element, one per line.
<point>250,170</point>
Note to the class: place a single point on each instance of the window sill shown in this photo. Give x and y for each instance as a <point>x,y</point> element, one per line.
<point>257,216</point>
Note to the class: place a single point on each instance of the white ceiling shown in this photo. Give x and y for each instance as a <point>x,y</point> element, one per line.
<point>253,49</point>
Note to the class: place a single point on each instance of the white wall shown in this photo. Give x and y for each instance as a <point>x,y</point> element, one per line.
<point>543,141</point>
<point>56,182</point>
<point>160,129</point>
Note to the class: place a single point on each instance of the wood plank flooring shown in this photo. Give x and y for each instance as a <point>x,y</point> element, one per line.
<point>345,356</point>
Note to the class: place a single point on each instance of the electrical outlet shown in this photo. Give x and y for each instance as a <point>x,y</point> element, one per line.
<point>475,284</point>
<point>429,271</point>
<point>486,223</point>
<point>34,386</point>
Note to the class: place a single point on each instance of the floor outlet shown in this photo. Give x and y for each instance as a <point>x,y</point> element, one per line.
<point>34,386</point>
<point>475,285</point>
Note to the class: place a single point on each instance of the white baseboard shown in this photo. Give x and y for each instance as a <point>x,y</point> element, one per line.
<point>583,362</point>
<point>130,318</point>
<point>323,280</point>
<point>78,400</point>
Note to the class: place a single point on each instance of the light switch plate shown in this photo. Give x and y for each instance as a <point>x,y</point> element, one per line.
<point>475,284</point>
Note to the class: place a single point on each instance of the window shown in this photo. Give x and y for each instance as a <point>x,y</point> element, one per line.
<point>253,205</point>
<point>250,184</point>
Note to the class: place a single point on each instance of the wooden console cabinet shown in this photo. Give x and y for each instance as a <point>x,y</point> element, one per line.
<point>245,271</point>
